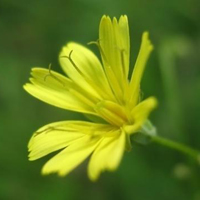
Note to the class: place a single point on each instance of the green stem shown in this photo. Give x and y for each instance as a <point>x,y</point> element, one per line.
<point>177,146</point>
<point>149,131</point>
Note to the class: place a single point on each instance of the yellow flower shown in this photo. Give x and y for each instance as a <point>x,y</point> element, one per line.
<point>99,92</point>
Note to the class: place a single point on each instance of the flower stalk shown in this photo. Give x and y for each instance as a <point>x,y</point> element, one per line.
<point>150,131</point>
<point>177,146</point>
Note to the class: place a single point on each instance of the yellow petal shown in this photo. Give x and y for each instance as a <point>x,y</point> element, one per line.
<point>122,34</point>
<point>84,68</point>
<point>58,135</point>
<point>115,43</point>
<point>111,112</point>
<point>107,156</point>
<point>57,90</point>
<point>71,157</point>
<point>145,50</point>
<point>52,137</point>
<point>114,46</point>
<point>140,113</point>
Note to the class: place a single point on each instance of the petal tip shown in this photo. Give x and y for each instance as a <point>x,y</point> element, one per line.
<point>123,18</point>
<point>153,102</point>
<point>30,158</point>
<point>26,86</point>
<point>146,41</point>
<point>105,19</point>
<point>93,178</point>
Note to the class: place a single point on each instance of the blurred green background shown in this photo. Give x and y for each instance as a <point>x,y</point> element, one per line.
<point>32,34</point>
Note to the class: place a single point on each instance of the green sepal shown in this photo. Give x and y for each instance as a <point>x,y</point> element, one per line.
<point>145,134</point>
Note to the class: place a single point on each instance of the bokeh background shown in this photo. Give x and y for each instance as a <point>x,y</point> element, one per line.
<point>32,34</point>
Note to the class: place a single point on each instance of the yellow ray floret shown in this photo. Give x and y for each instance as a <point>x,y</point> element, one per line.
<point>114,45</point>
<point>59,91</point>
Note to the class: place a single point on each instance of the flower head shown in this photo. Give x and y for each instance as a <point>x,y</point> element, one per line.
<point>100,92</point>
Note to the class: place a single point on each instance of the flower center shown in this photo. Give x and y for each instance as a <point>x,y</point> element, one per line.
<point>113,113</point>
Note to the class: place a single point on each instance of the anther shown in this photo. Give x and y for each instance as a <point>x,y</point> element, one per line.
<point>53,76</point>
<point>47,130</point>
<point>69,57</point>
<point>107,67</point>
<point>94,42</point>
<point>122,51</point>
<point>97,43</point>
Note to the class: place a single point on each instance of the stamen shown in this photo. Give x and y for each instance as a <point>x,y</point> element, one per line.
<point>124,77</point>
<point>101,50</point>
<point>72,62</point>
<point>53,76</point>
<point>111,77</point>
<point>96,87</point>
<point>48,129</point>
<point>122,51</point>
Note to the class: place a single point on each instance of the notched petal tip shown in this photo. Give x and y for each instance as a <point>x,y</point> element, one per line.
<point>32,72</point>
<point>30,158</point>
<point>105,19</point>
<point>145,34</point>
<point>104,16</point>
<point>146,41</point>
<point>45,173</point>
<point>27,86</point>
<point>153,103</point>
<point>48,170</point>
<point>123,19</point>
<point>115,21</point>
